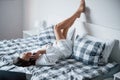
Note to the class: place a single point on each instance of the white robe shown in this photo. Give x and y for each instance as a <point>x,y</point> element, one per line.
<point>60,50</point>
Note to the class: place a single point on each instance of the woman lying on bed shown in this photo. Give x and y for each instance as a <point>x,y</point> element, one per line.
<point>61,49</point>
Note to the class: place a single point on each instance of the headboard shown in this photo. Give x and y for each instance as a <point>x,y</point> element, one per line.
<point>105,33</point>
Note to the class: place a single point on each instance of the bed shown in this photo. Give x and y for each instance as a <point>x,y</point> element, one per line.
<point>68,69</point>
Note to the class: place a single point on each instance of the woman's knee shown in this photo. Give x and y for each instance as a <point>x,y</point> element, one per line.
<point>57,28</point>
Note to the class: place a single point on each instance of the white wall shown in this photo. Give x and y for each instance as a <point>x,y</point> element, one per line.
<point>26,13</point>
<point>10,19</point>
<point>102,12</point>
<point>51,10</point>
<point>29,11</point>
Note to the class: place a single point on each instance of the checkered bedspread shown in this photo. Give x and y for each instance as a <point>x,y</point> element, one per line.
<point>68,69</point>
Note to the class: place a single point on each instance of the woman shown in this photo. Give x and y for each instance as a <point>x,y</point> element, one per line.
<point>61,49</point>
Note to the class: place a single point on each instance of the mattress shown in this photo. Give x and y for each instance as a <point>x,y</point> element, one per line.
<point>68,69</point>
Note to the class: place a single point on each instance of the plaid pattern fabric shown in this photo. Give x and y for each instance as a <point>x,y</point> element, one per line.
<point>68,69</point>
<point>47,35</point>
<point>87,51</point>
<point>18,46</point>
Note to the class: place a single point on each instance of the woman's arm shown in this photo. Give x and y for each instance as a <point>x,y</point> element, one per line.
<point>41,51</point>
<point>38,54</point>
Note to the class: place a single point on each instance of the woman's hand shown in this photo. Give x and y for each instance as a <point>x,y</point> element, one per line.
<point>37,54</point>
<point>26,56</point>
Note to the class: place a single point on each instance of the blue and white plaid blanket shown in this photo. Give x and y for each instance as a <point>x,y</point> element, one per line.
<point>68,69</point>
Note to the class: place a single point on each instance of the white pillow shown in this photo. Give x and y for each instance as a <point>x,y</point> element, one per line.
<point>76,29</point>
<point>108,49</point>
<point>80,29</point>
<point>109,43</point>
<point>71,32</point>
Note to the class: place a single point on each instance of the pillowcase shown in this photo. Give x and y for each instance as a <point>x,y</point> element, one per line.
<point>80,29</point>
<point>87,51</point>
<point>47,36</point>
<point>76,29</point>
<point>109,44</point>
<point>108,49</point>
<point>70,33</point>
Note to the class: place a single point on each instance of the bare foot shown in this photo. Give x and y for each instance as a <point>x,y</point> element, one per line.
<point>81,7</point>
<point>26,56</point>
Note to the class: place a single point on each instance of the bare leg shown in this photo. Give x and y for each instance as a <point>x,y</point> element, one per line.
<point>66,24</point>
